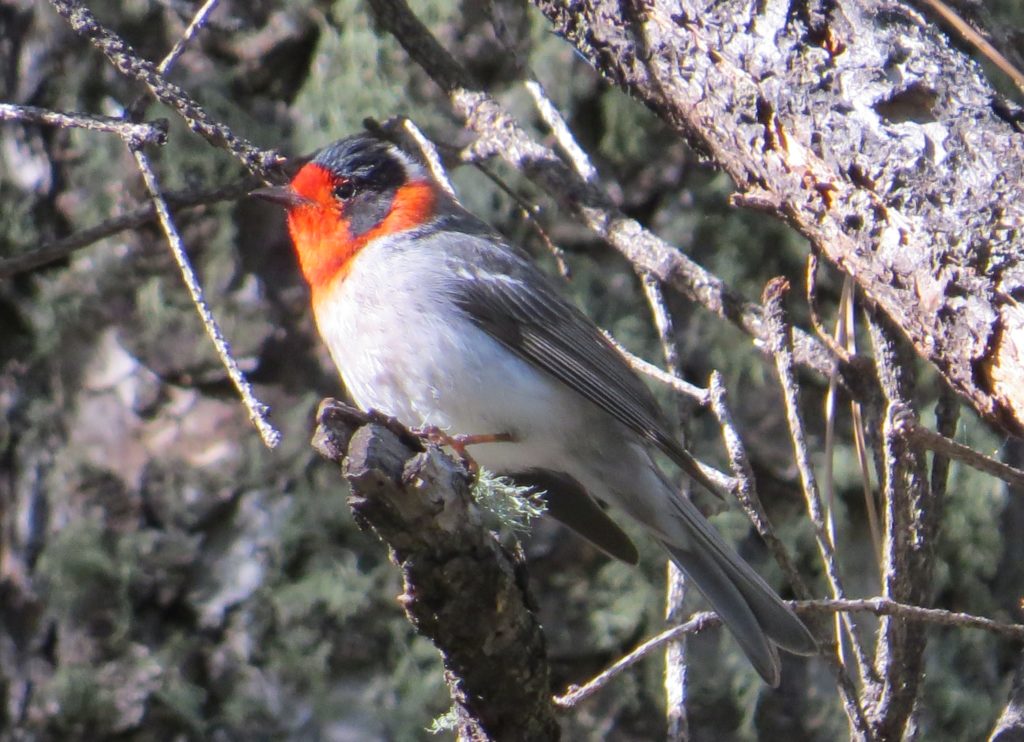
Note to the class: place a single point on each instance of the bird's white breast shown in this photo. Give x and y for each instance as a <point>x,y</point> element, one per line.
<point>403,348</point>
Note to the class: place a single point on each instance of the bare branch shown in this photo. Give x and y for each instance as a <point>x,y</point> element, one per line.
<point>976,40</point>
<point>697,394</point>
<point>123,57</point>
<point>197,23</point>
<point>879,606</point>
<point>675,657</point>
<point>823,334</point>
<point>62,248</point>
<point>910,528</point>
<point>676,588</point>
<point>152,132</point>
<point>780,346</point>
<point>429,152</point>
<point>662,323</point>
<point>844,344</point>
<point>746,492</point>
<point>909,426</point>
<point>576,694</point>
<point>882,606</point>
<point>462,590</point>
<point>257,410</point>
<point>553,118</point>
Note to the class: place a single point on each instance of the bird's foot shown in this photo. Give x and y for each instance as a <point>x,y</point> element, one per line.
<point>459,443</point>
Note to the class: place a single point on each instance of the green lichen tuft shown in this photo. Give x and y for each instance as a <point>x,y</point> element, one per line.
<point>513,505</point>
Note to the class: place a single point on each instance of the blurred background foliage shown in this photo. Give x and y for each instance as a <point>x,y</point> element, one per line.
<point>163,576</point>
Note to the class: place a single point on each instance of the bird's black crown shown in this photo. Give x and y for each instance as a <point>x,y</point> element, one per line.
<point>369,162</point>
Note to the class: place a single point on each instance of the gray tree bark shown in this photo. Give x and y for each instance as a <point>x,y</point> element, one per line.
<point>859,124</point>
<point>462,589</point>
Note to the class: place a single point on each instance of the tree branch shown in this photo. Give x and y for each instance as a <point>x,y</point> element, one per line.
<point>780,345</point>
<point>910,529</point>
<point>51,252</point>
<point>128,63</point>
<point>463,591</point>
<point>891,177</point>
<point>153,132</point>
<point>879,606</point>
<point>257,410</point>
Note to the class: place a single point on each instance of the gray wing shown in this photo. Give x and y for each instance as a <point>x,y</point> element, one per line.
<point>570,504</point>
<point>511,300</point>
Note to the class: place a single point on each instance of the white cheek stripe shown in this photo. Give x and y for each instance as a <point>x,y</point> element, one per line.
<point>413,169</point>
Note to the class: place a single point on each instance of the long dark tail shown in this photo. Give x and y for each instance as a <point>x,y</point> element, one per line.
<point>753,612</point>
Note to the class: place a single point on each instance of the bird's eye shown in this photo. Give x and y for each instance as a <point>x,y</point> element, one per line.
<point>345,190</point>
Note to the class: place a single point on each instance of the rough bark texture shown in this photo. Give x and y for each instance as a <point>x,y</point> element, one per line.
<point>911,509</point>
<point>462,589</point>
<point>162,576</point>
<point>859,124</point>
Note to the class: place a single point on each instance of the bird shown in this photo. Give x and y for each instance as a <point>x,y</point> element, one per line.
<point>435,319</point>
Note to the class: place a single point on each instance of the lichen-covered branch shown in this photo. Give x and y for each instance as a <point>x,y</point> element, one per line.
<point>909,541</point>
<point>462,589</point>
<point>861,126</point>
<point>780,345</point>
<point>128,63</point>
<point>154,132</point>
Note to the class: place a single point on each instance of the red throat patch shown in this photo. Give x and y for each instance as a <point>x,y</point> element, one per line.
<point>320,229</point>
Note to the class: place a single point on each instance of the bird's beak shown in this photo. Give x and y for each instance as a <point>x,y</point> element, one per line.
<point>281,195</point>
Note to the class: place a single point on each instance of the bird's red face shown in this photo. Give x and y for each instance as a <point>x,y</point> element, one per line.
<point>353,192</point>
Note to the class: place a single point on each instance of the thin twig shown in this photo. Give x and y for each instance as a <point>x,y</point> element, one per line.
<point>675,594</point>
<point>675,657</point>
<point>812,308</point>
<point>779,344</point>
<point>830,425</point>
<point>128,63</point>
<point>560,130</point>
<point>879,606</point>
<point>575,694</point>
<point>198,22</point>
<point>662,323</point>
<point>847,305</point>
<point>746,492</point>
<point>530,214</point>
<point>911,428</point>
<point>149,132</point>
<point>977,40</point>
<point>844,342</point>
<point>748,498</point>
<point>257,410</point>
<point>882,606</point>
<point>430,154</point>
<point>638,364</point>
<point>722,482</point>
<point>62,248</point>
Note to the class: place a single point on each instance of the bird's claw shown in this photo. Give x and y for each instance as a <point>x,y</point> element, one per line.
<point>460,443</point>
